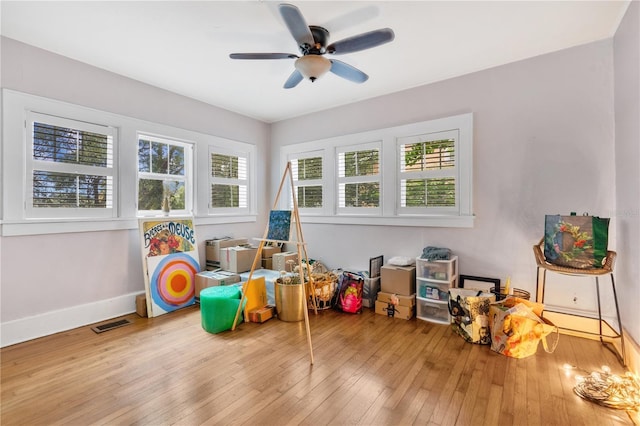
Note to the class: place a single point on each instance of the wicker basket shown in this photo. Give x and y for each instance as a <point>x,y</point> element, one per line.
<point>325,285</point>
<point>522,294</point>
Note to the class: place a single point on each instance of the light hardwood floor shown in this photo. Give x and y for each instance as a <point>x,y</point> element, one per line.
<point>369,369</point>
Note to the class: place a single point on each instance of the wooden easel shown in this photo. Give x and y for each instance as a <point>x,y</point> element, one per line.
<point>301,249</point>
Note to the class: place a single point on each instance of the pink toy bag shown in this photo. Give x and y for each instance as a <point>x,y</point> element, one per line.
<point>350,294</point>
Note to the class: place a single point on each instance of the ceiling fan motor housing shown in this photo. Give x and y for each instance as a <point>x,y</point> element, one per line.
<point>321,37</point>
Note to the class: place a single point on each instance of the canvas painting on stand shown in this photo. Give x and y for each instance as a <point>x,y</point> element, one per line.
<point>279,225</point>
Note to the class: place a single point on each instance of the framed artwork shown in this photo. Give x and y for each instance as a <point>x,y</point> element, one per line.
<point>375,263</point>
<point>479,283</point>
<point>169,262</point>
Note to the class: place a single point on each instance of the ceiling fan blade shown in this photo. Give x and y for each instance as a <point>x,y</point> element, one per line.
<point>293,80</point>
<point>347,71</point>
<point>296,23</point>
<point>263,56</point>
<point>361,41</point>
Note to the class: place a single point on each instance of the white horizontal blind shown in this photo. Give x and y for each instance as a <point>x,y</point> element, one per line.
<point>228,181</point>
<point>71,168</point>
<point>164,170</point>
<point>308,181</point>
<point>428,171</point>
<point>359,179</point>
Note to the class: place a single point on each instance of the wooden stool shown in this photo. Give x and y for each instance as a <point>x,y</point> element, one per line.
<point>607,269</point>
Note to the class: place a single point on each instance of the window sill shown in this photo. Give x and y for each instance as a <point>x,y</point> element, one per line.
<point>53,226</point>
<point>444,221</point>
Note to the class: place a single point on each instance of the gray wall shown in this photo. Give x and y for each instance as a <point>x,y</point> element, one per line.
<point>627,147</point>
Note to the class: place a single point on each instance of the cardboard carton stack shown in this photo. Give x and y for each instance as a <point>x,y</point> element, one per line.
<point>267,255</point>
<point>213,247</point>
<point>237,259</point>
<point>397,297</point>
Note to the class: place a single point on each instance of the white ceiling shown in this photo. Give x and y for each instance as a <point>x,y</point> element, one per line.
<point>184,46</point>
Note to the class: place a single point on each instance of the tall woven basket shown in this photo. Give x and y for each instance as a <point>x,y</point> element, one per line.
<point>325,285</point>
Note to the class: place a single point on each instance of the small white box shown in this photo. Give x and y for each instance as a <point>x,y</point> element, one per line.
<point>281,261</point>
<point>370,292</point>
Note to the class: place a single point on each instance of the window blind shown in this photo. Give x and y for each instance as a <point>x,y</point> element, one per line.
<point>307,177</point>
<point>358,178</point>
<point>229,181</point>
<point>71,167</point>
<point>428,171</point>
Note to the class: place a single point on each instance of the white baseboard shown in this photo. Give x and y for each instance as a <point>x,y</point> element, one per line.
<point>23,329</point>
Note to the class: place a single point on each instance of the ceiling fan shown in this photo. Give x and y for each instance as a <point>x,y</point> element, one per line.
<point>312,42</point>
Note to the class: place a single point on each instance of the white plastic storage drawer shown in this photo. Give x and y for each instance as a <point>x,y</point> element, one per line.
<point>441,270</point>
<point>432,289</point>
<point>433,311</point>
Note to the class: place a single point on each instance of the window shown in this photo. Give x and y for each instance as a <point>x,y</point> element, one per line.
<point>418,174</point>
<point>164,173</point>
<point>70,168</point>
<point>359,179</point>
<point>307,180</point>
<point>228,181</point>
<point>428,170</point>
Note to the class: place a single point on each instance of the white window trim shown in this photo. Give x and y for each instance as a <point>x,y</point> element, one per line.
<point>187,177</point>
<point>463,217</point>
<point>15,106</point>
<point>242,151</point>
<point>366,211</point>
<point>109,171</point>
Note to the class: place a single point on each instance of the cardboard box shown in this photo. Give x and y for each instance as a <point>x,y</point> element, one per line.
<point>262,314</point>
<point>237,259</point>
<point>267,263</point>
<point>141,305</point>
<point>213,249</point>
<point>398,279</point>
<point>207,279</point>
<point>280,261</point>
<point>398,311</point>
<point>269,251</point>
<point>402,300</point>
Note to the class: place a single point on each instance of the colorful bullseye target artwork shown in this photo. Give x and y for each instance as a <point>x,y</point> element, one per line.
<point>172,284</point>
<point>170,262</point>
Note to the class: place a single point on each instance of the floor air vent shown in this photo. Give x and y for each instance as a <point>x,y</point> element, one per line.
<point>110,325</point>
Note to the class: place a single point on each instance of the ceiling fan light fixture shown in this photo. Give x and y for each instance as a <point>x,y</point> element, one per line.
<point>313,66</point>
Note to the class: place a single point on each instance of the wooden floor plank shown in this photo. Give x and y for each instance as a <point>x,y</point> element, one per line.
<point>369,369</point>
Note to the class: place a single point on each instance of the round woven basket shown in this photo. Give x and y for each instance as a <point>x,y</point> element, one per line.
<point>522,294</point>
